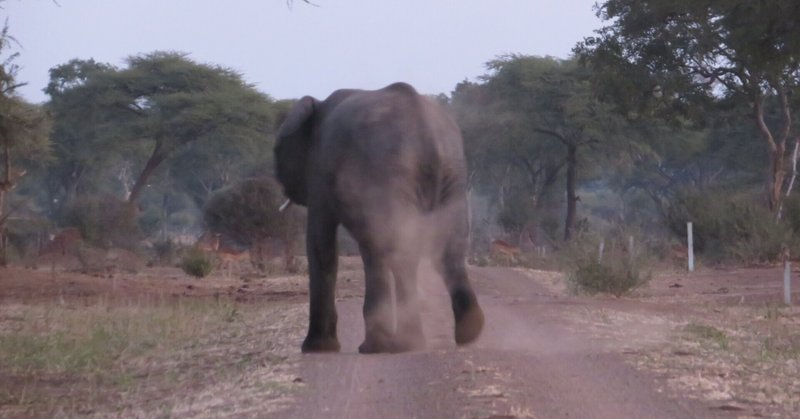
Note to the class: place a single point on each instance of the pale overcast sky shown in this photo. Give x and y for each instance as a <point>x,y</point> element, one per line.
<point>289,52</point>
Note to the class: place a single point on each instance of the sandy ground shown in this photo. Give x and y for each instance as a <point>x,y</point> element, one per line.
<point>711,344</point>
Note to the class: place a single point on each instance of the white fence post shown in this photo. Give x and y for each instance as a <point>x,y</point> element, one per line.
<point>690,246</point>
<point>787,280</point>
<point>631,249</point>
<point>600,251</point>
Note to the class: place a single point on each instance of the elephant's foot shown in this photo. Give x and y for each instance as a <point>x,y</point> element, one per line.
<point>409,336</point>
<point>391,344</point>
<point>408,345</point>
<point>320,344</point>
<point>378,340</point>
<point>469,321</point>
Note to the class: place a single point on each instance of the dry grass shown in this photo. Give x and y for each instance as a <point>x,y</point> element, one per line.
<point>107,358</point>
<point>738,357</point>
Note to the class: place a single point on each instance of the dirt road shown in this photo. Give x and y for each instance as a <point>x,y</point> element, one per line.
<point>533,360</point>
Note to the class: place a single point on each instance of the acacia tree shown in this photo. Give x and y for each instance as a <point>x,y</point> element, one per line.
<point>682,56</point>
<point>23,134</point>
<point>162,102</point>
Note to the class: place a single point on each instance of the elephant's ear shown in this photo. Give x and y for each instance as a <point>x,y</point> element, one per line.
<point>298,115</point>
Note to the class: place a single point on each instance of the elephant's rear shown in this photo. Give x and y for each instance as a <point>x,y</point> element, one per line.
<point>414,175</point>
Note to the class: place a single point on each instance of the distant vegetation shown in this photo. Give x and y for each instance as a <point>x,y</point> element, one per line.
<point>674,112</point>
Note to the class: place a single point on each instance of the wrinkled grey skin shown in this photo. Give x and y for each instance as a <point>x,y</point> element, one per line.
<point>389,166</point>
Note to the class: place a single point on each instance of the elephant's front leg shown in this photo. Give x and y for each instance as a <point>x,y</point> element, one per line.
<point>378,315</point>
<point>322,259</point>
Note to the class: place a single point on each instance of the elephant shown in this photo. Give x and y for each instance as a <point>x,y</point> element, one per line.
<point>389,166</point>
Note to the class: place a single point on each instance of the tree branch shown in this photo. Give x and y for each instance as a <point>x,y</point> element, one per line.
<point>559,136</point>
<point>758,109</point>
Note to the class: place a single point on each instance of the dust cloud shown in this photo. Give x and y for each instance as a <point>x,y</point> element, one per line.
<point>417,310</point>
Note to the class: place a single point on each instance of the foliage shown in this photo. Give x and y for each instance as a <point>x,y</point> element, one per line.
<point>23,134</point>
<point>729,228</point>
<point>87,158</point>
<point>103,222</point>
<point>523,129</point>
<point>677,59</point>
<point>156,107</point>
<point>248,212</point>
<point>197,263</point>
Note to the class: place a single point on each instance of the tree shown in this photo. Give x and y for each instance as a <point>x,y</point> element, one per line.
<point>547,113</point>
<point>23,134</point>
<point>161,103</point>
<point>678,58</point>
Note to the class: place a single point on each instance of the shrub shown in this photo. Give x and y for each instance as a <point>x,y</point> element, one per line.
<point>593,277</point>
<point>618,273</point>
<point>247,213</point>
<point>103,222</point>
<point>197,263</point>
<point>730,228</point>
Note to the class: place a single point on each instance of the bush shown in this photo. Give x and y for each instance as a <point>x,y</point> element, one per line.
<point>618,272</point>
<point>593,277</point>
<point>197,263</point>
<point>103,222</point>
<point>729,228</point>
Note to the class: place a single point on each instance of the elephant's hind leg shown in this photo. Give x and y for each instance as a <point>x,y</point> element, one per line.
<point>378,315</point>
<point>468,315</point>
<point>409,335</point>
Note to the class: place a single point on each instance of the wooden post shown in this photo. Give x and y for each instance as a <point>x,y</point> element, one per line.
<point>690,246</point>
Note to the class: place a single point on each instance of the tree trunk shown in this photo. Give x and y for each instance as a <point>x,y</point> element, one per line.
<point>776,149</point>
<point>6,186</point>
<point>777,176</point>
<point>156,158</point>
<point>572,198</point>
<point>3,254</point>
<point>71,184</point>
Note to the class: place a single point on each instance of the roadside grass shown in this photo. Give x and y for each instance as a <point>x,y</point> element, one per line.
<point>781,334</point>
<point>738,356</point>
<point>91,341</point>
<point>108,355</point>
<point>708,333</point>
<point>771,333</point>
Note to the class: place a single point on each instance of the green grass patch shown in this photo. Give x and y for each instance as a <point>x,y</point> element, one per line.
<point>197,263</point>
<point>781,346</point>
<point>709,334</point>
<point>101,340</point>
